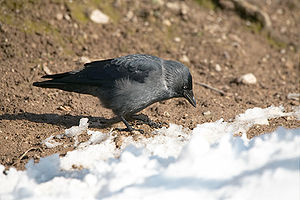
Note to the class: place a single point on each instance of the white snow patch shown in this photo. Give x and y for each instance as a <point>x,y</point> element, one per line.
<point>206,163</point>
<point>50,142</point>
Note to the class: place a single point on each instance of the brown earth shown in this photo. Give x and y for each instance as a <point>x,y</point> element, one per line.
<point>52,36</point>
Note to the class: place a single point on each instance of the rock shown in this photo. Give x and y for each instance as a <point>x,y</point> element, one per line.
<point>47,70</point>
<point>129,15</point>
<point>247,79</point>
<point>59,16</point>
<point>64,108</point>
<point>67,17</point>
<point>218,68</point>
<point>184,9</point>
<point>206,113</point>
<point>185,59</point>
<point>282,51</point>
<point>177,39</point>
<point>99,17</point>
<point>173,6</point>
<point>84,60</point>
<point>167,22</point>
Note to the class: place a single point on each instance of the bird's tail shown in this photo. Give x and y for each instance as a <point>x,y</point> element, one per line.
<point>66,82</point>
<point>48,84</point>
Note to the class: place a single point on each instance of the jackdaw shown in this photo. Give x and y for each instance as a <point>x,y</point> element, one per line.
<point>127,84</point>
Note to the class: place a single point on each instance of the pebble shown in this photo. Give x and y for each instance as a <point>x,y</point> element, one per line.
<point>64,108</point>
<point>166,114</point>
<point>167,22</point>
<point>129,15</point>
<point>206,113</point>
<point>247,79</point>
<point>184,9</point>
<point>282,51</point>
<point>177,39</point>
<point>99,17</point>
<point>59,16</point>
<point>218,68</point>
<point>185,59</point>
<point>67,17</point>
<point>47,70</point>
<point>84,60</point>
<point>173,6</point>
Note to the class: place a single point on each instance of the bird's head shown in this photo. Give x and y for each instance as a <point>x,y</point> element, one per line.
<point>179,81</point>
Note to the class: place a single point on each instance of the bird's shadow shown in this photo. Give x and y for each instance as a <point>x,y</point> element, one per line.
<point>61,120</point>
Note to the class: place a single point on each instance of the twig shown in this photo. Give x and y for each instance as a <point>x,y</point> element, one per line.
<point>212,88</point>
<point>24,154</point>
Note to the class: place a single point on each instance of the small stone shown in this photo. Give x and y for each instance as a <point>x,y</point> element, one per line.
<point>184,9</point>
<point>84,60</point>
<point>64,108</point>
<point>177,39</point>
<point>282,51</point>
<point>166,114</point>
<point>59,16</point>
<point>99,17</point>
<point>218,68</point>
<point>166,22</point>
<point>247,79</point>
<point>129,15</point>
<point>185,59</point>
<point>283,59</point>
<point>67,17</point>
<point>289,118</point>
<point>206,113</point>
<point>173,6</point>
<point>47,70</point>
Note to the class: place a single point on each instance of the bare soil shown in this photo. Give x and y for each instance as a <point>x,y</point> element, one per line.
<point>218,45</point>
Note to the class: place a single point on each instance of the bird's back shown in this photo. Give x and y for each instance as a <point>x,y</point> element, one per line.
<point>104,80</point>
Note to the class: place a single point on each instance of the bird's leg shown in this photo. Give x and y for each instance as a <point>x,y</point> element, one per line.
<point>129,128</point>
<point>144,119</point>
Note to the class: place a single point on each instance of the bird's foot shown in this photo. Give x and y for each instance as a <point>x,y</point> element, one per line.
<point>143,119</point>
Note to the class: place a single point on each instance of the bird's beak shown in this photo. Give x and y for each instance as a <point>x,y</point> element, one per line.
<point>188,94</point>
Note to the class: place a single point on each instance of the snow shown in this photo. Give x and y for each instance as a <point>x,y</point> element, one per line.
<point>208,162</point>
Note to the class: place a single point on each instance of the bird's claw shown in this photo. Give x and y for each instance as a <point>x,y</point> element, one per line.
<point>147,121</point>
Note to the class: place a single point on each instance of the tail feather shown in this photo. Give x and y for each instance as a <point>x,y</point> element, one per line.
<point>48,84</point>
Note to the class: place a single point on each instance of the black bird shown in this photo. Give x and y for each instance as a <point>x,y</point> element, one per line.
<point>127,84</point>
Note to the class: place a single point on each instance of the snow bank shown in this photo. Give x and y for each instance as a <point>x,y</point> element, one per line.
<point>206,163</point>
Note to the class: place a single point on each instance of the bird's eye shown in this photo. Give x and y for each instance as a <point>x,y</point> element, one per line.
<point>184,87</point>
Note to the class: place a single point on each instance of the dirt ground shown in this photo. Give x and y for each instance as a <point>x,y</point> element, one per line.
<point>218,45</point>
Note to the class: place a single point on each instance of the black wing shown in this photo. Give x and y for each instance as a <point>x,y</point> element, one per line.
<point>135,67</point>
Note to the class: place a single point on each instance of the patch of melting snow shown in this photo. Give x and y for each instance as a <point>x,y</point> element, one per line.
<point>207,162</point>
